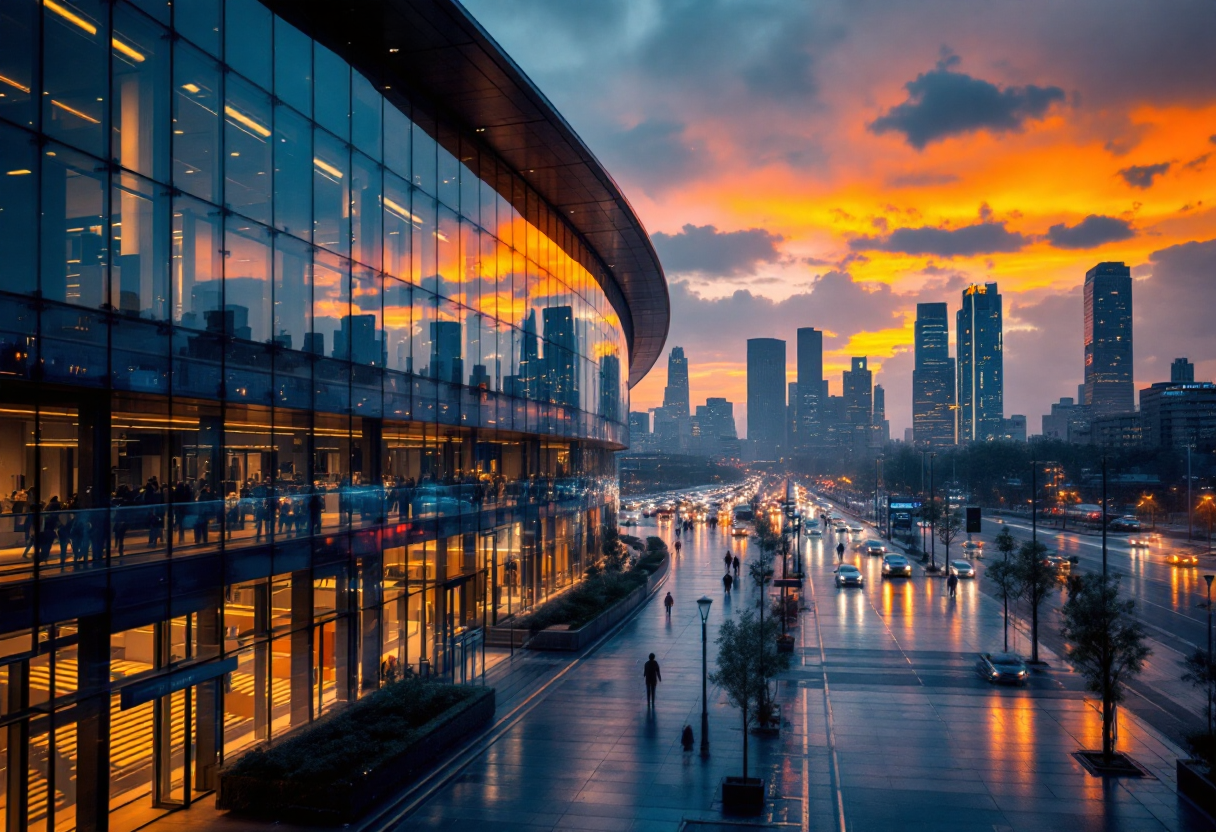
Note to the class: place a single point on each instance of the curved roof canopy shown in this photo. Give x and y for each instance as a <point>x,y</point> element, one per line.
<point>432,52</point>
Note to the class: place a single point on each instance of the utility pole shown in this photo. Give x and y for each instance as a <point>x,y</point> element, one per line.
<point>1190,509</point>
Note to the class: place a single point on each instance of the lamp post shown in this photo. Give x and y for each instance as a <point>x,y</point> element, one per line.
<point>703,604</point>
<point>1209,507</point>
<point>1208,579</point>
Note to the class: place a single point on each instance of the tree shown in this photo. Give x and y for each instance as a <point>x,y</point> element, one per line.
<point>615,554</point>
<point>1202,674</point>
<point>930,512</point>
<point>948,530</point>
<point>1004,574</point>
<point>1107,644</point>
<point>1036,580</point>
<point>744,673</point>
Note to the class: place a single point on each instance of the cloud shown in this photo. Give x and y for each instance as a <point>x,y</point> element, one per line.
<point>921,180</point>
<point>710,252</point>
<point>1091,232</point>
<point>1174,309</point>
<point>943,103</point>
<point>968,241</point>
<point>1142,176</point>
<point>1198,163</point>
<point>658,151</point>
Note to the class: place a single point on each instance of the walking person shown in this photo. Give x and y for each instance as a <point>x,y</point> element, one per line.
<point>727,580</point>
<point>651,672</point>
<point>686,738</point>
<point>669,602</point>
<point>678,548</point>
<point>727,560</point>
<point>952,585</point>
<point>840,551</point>
<point>735,564</point>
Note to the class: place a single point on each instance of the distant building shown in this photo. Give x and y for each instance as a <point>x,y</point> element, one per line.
<point>1174,415</point>
<point>933,385</point>
<point>675,394</point>
<point>1066,421</point>
<point>859,392</point>
<point>1013,429</point>
<point>882,428</point>
<point>714,426</point>
<point>1182,371</point>
<point>1108,340</point>
<point>1117,430</point>
<point>808,420</point>
<point>981,392</point>
<point>909,436</point>
<point>766,389</point>
<point>639,424</point>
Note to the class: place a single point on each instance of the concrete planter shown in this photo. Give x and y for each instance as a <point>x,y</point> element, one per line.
<point>1195,785</point>
<point>351,797</point>
<point>564,640</point>
<point>743,797</point>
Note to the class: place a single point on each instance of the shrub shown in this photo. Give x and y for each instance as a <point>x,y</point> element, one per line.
<point>356,739</point>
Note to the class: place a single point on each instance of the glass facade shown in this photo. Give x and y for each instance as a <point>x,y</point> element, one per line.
<point>293,396</point>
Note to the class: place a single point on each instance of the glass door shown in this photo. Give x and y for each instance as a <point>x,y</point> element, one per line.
<point>173,741</point>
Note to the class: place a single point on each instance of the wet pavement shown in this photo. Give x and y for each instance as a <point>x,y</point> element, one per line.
<point>886,724</point>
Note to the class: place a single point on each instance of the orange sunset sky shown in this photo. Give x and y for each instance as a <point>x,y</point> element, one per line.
<point>830,164</point>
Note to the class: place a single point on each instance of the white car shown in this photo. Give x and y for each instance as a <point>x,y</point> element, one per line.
<point>962,569</point>
<point>849,575</point>
<point>814,533</point>
<point>973,548</point>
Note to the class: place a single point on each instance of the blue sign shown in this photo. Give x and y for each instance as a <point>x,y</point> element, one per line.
<point>137,694</point>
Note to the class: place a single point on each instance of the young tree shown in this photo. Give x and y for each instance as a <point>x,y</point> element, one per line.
<point>948,530</point>
<point>745,672</point>
<point>613,550</point>
<point>1036,580</point>
<point>1202,674</point>
<point>1004,574</point>
<point>931,512</point>
<point>1107,644</point>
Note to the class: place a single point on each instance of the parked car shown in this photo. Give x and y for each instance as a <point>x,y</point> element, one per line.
<point>1180,559</point>
<point>1002,668</point>
<point>896,566</point>
<point>874,547</point>
<point>849,575</point>
<point>962,568</point>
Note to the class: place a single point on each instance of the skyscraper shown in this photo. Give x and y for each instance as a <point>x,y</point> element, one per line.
<point>765,396</point>
<point>933,378</point>
<point>981,387</point>
<point>859,392</point>
<point>808,421</point>
<point>1108,340</point>
<point>1182,371</point>
<point>675,394</point>
<point>882,428</point>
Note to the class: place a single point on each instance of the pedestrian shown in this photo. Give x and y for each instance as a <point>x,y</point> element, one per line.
<point>952,584</point>
<point>678,547</point>
<point>727,581</point>
<point>840,550</point>
<point>652,675</point>
<point>735,564</point>
<point>669,602</point>
<point>686,738</point>
<point>727,560</point>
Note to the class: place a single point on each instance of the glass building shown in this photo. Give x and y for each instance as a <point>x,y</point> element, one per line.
<point>316,335</point>
<point>933,378</point>
<point>980,365</point>
<point>766,392</point>
<point>1109,387</point>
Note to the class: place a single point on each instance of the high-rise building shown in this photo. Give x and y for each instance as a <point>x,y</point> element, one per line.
<point>933,385</point>
<point>980,347</point>
<point>639,423</point>
<point>1013,429</point>
<point>808,421</point>
<point>765,397</point>
<point>1108,340</point>
<point>1177,414</point>
<point>675,394</point>
<point>859,392</point>
<point>258,450</point>
<point>715,428</point>
<point>1066,422</point>
<point>882,427</point>
<point>1182,371</point>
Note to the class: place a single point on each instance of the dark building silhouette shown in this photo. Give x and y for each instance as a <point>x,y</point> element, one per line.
<point>1108,340</point>
<point>981,390</point>
<point>933,385</point>
<point>675,394</point>
<point>766,390</point>
<point>859,392</point>
<point>610,386</point>
<point>808,427</point>
<point>446,362</point>
<point>1182,371</point>
<point>561,351</point>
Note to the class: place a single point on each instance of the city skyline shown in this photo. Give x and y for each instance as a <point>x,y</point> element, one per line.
<point>806,180</point>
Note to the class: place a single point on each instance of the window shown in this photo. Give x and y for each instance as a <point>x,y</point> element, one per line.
<point>18,61</point>
<point>332,96</point>
<point>397,130</point>
<point>293,172</point>
<point>331,192</point>
<point>18,208</point>
<point>365,116</point>
<point>365,211</point>
<point>247,164</point>
<point>247,44</point>
<point>199,21</point>
<point>196,123</point>
<point>75,73</point>
<point>197,266</point>
<point>139,276</point>
<point>293,66</point>
<point>74,235</point>
<point>292,292</point>
<point>140,64</point>
<point>247,296</point>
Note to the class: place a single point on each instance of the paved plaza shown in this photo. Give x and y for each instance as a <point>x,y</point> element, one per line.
<point>886,725</point>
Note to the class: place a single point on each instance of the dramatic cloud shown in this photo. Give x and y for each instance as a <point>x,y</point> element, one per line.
<point>657,151</point>
<point>1142,176</point>
<point>1174,310</point>
<point>1091,232</point>
<point>710,252</point>
<point>944,103</point>
<point>1044,353</point>
<point>968,241</point>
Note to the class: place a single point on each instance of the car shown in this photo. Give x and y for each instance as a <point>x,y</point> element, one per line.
<point>973,548</point>
<point>896,566</point>
<point>1143,541</point>
<point>874,547</point>
<point>1002,669</point>
<point>814,533</point>
<point>849,575</point>
<point>1061,566</point>
<point>855,528</point>
<point>1181,559</point>
<point>842,529</point>
<point>962,568</point>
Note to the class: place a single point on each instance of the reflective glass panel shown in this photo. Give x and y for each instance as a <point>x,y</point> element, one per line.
<point>293,167</point>
<point>75,74</point>
<point>74,233</point>
<point>139,140</point>
<point>247,296</point>
<point>365,211</point>
<point>365,116</point>
<point>18,210</point>
<point>332,99</point>
<point>292,66</point>
<point>292,292</point>
<point>331,192</point>
<point>197,262</point>
<point>247,44</point>
<point>247,164</point>
<point>139,275</point>
<point>197,101</point>
<point>18,62</point>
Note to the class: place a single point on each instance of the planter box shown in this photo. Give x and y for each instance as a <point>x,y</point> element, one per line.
<point>743,797</point>
<point>348,799</point>
<point>1195,786</point>
<point>785,645</point>
<point>562,639</point>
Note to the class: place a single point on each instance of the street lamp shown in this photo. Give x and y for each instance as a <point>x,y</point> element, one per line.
<point>1208,579</point>
<point>1208,505</point>
<point>703,604</point>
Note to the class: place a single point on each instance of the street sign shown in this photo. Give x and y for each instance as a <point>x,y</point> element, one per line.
<point>973,520</point>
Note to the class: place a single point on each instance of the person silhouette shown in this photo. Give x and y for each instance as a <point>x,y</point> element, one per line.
<point>669,602</point>
<point>650,671</point>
